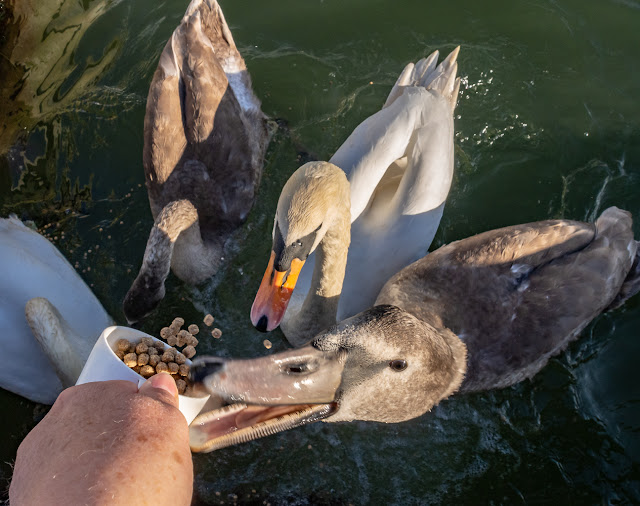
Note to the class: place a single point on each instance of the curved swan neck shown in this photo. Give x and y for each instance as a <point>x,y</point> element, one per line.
<point>459,366</point>
<point>328,273</point>
<point>321,303</point>
<point>57,339</point>
<point>175,241</point>
<point>174,218</point>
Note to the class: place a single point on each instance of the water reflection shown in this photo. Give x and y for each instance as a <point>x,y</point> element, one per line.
<point>46,64</point>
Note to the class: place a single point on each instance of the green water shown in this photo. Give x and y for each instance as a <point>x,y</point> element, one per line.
<point>548,125</point>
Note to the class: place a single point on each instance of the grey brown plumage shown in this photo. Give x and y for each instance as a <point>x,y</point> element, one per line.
<point>480,313</point>
<point>204,143</point>
<point>518,295</point>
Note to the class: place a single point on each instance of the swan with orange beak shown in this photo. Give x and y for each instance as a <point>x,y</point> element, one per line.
<point>312,215</point>
<point>380,214</point>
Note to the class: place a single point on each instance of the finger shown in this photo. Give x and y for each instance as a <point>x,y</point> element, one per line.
<point>161,387</point>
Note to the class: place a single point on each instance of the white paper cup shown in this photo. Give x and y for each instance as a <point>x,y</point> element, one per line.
<point>104,365</point>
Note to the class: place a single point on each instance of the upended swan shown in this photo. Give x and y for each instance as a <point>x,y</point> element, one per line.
<point>399,163</point>
<point>204,143</point>
<point>480,313</point>
<point>49,317</point>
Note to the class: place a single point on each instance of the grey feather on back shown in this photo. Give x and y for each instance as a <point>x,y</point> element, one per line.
<point>518,295</point>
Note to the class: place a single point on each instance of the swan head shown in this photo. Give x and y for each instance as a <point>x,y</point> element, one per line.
<point>311,200</point>
<point>145,294</point>
<point>382,365</point>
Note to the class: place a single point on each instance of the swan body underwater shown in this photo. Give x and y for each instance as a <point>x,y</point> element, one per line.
<point>480,313</point>
<point>205,139</point>
<point>49,318</point>
<point>398,165</point>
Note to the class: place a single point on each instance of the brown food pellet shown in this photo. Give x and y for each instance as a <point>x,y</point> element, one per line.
<point>168,356</point>
<point>131,359</point>
<point>147,371</point>
<point>180,358</point>
<point>123,344</point>
<point>174,329</point>
<point>147,340</point>
<point>152,351</point>
<point>183,338</point>
<point>162,367</point>
<point>137,368</point>
<point>172,340</point>
<point>165,332</point>
<point>120,354</point>
<point>189,351</point>
<point>267,344</point>
<point>192,342</point>
<point>194,329</point>
<point>154,360</point>
<point>132,348</point>
<point>158,345</point>
<point>208,320</point>
<point>182,386</point>
<point>178,321</point>
<point>216,333</point>
<point>184,370</point>
<point>143,359</point>
<point>173,367</point>
<point>141,348</point>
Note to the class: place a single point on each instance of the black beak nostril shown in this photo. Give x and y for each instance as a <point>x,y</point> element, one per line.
<point>204,367</point>
<point>262,323</point>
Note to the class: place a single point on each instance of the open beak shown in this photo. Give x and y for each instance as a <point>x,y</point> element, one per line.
<point>264,395</point>
<point>274,294</point>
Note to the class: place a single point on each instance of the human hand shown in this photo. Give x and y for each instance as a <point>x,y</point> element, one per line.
<point>108,443</point>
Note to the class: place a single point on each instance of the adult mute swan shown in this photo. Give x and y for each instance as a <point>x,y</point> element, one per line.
<point>62,313</point>
<point>399,163</point>
<point>204,143</point>
<point>480,313</point>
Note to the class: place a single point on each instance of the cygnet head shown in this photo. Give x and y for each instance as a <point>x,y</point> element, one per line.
<point>145,294</point>
<point>381,365</point>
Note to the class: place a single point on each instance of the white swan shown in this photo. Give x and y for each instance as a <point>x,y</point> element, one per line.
<point>61,311</point>
<point>399,163</point>
<point>204,143</point>
<point>481,313</point>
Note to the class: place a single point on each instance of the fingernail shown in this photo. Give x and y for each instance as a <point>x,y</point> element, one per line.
<point>164,381</point>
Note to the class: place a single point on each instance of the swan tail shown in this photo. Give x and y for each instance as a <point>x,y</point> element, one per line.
<point>631,284</point>
<point>52,333</point>
<point>205,25</point>
<point>148,288</point>
<point>427,74</point>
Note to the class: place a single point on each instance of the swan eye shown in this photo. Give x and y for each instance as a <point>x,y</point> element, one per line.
<point>398,365</point>
<point>297,368</point>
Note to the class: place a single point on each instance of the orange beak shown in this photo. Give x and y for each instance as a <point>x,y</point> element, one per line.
<point>274,294</point>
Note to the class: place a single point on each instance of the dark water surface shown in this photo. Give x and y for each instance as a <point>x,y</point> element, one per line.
<point>548,126</point>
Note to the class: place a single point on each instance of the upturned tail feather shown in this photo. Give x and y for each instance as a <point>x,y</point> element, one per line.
<point>425,73</point>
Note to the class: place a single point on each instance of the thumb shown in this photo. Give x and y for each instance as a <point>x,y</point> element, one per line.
<point>161,387</point>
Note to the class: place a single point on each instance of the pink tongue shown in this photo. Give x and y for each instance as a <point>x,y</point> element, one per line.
<point>227,423</point>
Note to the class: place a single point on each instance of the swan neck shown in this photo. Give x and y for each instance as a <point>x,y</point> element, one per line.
<point>459,366</point>
<point>57,339</point>
<point>321,304</point>
<point>175,242</point>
